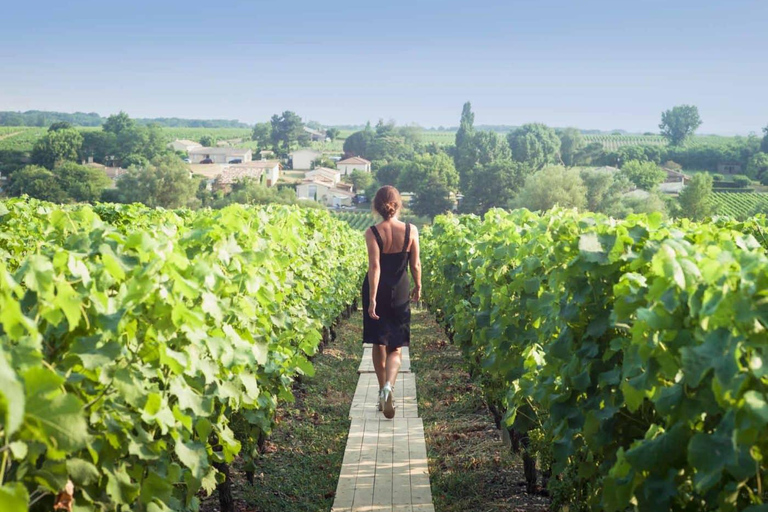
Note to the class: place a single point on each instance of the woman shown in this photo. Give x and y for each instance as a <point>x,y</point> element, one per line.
<point>392,247</point>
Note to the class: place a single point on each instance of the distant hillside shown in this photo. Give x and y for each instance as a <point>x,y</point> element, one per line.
<point>44,118</point>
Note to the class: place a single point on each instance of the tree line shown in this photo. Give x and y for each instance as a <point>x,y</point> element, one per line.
<point>536,167</point>
<point>43,118</point>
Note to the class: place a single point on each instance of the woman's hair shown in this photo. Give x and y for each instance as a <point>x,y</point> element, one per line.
<point>387,202</point>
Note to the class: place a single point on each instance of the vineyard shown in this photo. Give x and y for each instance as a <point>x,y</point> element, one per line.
<point>614,142</point>
<point>625,357</point>
<point>19,139</point>
<point>360,221</point>
<point>739,205</point>
<point>133,338</point>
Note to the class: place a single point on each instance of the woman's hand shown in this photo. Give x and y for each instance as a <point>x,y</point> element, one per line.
<point>372,310</point>
<point>416,294</point>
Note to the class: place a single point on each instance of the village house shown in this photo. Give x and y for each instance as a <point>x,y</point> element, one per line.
<point>266,154</point>
<point>220,155</point>
<point>222,176</point>
<point>184,145</point>
<point>302,158</point>
<point>315,135</point>
<point>326,173</point>
<point>325,191</point>
<point>111,172</point>
<point>729,168</point>
<point>355,163</point>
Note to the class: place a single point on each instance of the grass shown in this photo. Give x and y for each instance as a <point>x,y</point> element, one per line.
<point>469,467</point>
<point>300,467</point>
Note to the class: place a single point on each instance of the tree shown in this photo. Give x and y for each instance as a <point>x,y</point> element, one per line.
<point>357,143</point>
<point>696,198</point>
<point>80,183</point>
<point>56,147</point>
<point>571,144</point>
<point>590,154</point>
<point>758,167</point>
<point>764,143</point>
<point>535,144</point>
<point>432,197</point>
<point>465,155</point>
<point>388,174</point>
<point>493,185</point>
<point>98,144</point>
<point>360,180</point>
<point>605,190</point>
<point>287,129</point>
<point>164,182</point>
<point>117,123</point>
<point>323,161</point>
<point>644,175</point>
<point>387,147</point>
<point>262,133</point>
<point>60,125</point>
<point>37,182</point>
<point>679,123</point>
<point>551,186</point>
<point>208,141</point>
<point>332,133</point>
<point>425,165</point>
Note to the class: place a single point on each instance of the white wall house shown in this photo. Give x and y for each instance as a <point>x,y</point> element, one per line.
<point>220,155</point>
<point>271,170</point>
<point>184,145</point>
<point>303,158</point>
<point>323,191</point>
<point>354,163</point>
<point>324,173</point>
<point>266,172</point>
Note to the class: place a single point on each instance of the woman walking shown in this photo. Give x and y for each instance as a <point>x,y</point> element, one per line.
<point>393,246</point>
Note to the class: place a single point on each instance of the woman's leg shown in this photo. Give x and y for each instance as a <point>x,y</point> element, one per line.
<point>379,353</point>
<point>393,364</point>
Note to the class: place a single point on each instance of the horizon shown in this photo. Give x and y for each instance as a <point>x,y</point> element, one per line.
<point>594,66</point>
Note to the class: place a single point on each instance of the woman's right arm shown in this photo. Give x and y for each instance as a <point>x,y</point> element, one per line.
<point>374,271</point>
<point>415,263</point>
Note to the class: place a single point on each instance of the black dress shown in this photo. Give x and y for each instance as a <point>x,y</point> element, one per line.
<point>393,328</point>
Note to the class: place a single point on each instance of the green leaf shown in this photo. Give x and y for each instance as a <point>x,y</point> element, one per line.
<point>82,472</point>
<point>14,497</point>
<point>11,397</point>
<point>68,300</point>
<point>120,487</point>
<point>708,454</point>
<point>58,422</point>
<point>194,457</point>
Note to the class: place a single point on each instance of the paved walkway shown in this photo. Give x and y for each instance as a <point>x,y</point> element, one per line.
<point>385,462</point>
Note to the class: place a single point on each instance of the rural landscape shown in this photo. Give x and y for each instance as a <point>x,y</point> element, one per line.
<point>184,240</point>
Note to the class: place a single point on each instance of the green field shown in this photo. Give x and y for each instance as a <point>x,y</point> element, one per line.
<point>739,205</point>
<point>22,138</point>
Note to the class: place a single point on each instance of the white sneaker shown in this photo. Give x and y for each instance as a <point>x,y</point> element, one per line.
<point>389,402</point>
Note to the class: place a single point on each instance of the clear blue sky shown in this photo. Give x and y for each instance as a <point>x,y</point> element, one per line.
<point>589,63</point>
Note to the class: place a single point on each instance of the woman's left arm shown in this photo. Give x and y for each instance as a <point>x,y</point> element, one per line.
<point>415,263</point>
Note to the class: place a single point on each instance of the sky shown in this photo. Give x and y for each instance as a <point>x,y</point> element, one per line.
<point>592,64</point>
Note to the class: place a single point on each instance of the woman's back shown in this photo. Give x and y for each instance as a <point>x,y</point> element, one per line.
<point>392,233</point>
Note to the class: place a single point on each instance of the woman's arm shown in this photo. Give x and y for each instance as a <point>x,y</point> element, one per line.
<point>374,271</point>
<point>415,263</point>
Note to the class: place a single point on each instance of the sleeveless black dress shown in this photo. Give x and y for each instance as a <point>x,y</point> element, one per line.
<point>393,328</point>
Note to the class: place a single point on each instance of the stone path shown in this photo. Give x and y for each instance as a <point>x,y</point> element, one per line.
<point>385,461</point>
